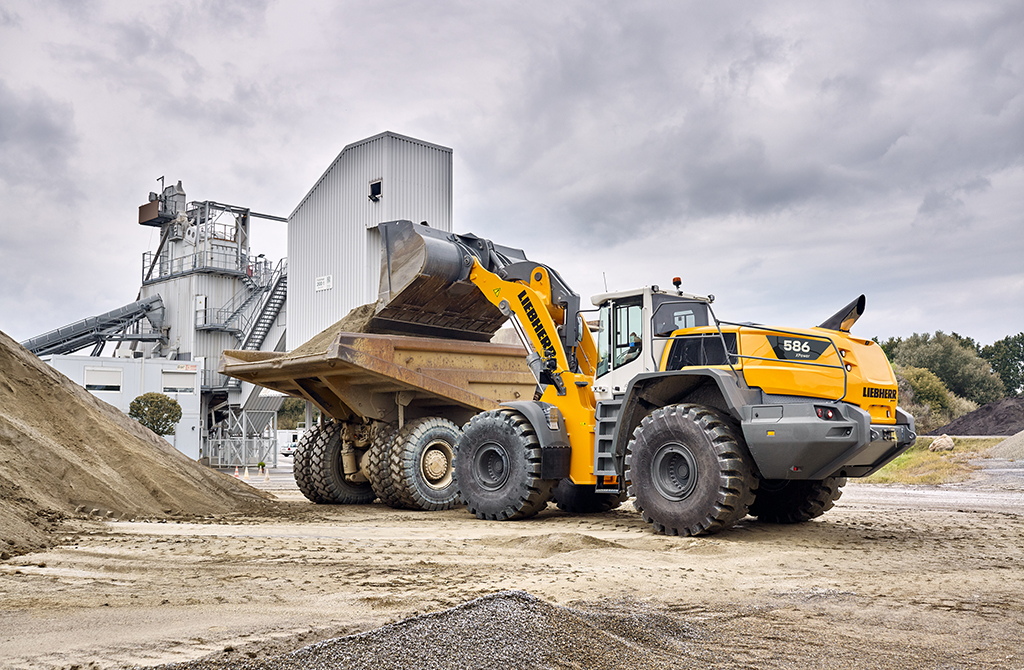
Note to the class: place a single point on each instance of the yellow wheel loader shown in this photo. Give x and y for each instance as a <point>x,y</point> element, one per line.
<point>701,420</point>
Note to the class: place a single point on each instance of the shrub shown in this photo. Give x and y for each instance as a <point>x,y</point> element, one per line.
<point>927,387</point>
<point>926,398</point>
<point>156,411</point>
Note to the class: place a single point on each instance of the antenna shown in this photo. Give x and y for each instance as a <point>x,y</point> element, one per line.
<point>605,282</point>
<point>161,180</point>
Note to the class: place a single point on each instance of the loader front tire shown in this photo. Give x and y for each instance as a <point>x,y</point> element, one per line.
<point>583,499</point>
<point>421,463</point>
<point>497,467</point>
<point>378,469</point>
<point>795,501</point>
<point>327,474</point>
<point>300,465</point>
<point>689,471</point>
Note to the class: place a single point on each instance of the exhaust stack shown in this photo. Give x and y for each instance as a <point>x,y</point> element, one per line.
<point>845,318</point>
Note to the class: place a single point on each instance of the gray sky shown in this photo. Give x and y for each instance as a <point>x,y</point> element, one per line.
<point>784,156</point>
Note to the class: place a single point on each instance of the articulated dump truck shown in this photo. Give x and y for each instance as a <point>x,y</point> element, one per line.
<point>701,421</point>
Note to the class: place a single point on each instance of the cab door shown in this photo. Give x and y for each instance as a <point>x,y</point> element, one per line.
<point>620,342</point>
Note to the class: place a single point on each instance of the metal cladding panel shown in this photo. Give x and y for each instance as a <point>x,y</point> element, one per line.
<point>333,243</point>
<point>179,296</point>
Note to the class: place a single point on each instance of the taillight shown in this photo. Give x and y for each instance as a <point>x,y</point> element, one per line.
<point>828,413</point>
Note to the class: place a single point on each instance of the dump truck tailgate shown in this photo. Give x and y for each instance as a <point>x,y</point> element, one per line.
<point>369,375</point>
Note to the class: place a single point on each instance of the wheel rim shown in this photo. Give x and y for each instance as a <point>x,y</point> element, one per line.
<point>436,464</point>
<point>491,466</point>
<point>674,471</point>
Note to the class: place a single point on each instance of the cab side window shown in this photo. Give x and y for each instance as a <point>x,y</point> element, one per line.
<point>628,331</point>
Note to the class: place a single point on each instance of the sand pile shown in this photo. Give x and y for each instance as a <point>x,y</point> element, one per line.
<point>511,629</point>
<point>356,321</point>
<point>1003,417</point>
<point>62,449</point>
<point>1011,448</point>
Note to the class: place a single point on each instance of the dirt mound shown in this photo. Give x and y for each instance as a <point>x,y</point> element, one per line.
<point>62,450</point>
<point>1003,417</point>
<point>552,543</point>
<point>510,629</point>
<point>356,321</point>
<point>1012,448</point>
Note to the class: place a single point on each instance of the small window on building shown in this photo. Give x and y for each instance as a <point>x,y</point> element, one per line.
<point>103,379</point>
<point>173,381</point>
<point>376,190</point>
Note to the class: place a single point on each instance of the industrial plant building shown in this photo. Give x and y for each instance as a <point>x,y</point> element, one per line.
<point>203,290</point>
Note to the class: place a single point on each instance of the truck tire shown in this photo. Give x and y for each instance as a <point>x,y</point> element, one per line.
<point>690,471</point>
<point>795,501</point>
<point>300,465</point>
<point>422,460</point>
<point>326,472</point>
<point>582,498</point>
<point>378,470</point>
<point>497,467</point>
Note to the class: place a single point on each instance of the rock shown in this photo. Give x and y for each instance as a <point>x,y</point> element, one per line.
<point>942,443</point>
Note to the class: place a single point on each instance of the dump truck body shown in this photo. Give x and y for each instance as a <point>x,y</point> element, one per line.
<point>394,405</point>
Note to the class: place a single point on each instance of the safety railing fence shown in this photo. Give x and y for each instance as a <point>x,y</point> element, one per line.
<point>228,452</point>
<point>214,380</point>
<point>240,313</point>
<point>229,261</point>
<point>735,354</point>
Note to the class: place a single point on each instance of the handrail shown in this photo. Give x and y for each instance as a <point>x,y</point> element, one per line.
<point>738,355</point>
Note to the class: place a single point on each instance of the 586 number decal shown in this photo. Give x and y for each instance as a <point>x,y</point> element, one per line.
<point>797,348</point>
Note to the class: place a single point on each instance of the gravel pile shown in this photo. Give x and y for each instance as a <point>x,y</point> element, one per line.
<point>1003,417</point>
<point>510,629</point>
<point>1011,448</point>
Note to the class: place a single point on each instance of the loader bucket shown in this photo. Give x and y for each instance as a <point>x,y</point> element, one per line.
<point>425,287</point>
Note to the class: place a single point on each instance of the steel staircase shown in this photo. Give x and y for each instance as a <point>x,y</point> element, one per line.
<point>268,313</point>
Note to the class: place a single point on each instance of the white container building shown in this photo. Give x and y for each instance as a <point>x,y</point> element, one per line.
<point>118,381</point>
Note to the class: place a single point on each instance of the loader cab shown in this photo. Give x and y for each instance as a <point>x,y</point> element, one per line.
<point>633,328</point>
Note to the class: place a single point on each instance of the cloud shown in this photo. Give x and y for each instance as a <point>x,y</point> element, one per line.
<point>784,156</point>
<point>37,139</point>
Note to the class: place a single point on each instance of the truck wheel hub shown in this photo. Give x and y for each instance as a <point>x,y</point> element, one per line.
<point>436,465</point>
<point>492,466</point>
<point>674,471</point>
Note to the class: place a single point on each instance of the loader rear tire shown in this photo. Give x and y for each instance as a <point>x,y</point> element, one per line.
<point>422,462</point>
<point>583,499</point>
<point>497,467</point>
<point>327,474</point>
<point>378,469</point>
<point>795,501</point>
<point>300,465</point>
<point>690,471</point>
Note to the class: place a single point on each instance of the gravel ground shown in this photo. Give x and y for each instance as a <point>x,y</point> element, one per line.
<point>907,578</point>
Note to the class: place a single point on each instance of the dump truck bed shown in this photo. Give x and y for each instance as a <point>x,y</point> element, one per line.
<point>373,376</point>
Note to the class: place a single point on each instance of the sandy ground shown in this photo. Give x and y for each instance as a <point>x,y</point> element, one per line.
<point>928,577</point>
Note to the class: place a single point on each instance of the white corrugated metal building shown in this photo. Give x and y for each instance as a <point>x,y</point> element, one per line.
<point>333,243</point>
